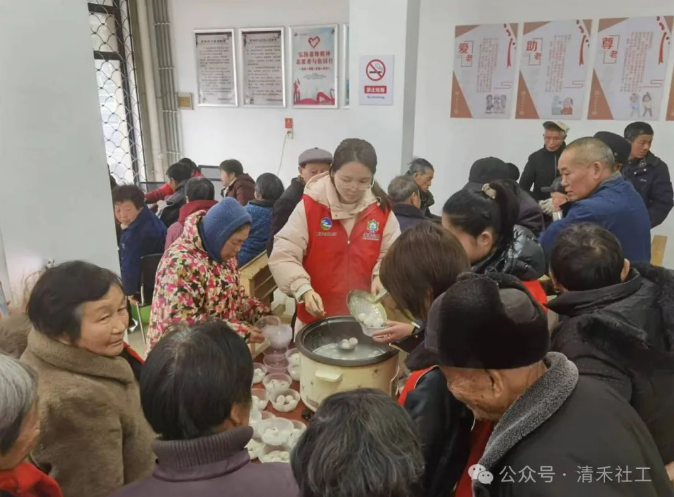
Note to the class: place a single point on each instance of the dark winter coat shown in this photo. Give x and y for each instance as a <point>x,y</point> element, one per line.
<point>261,212</point>
<point>427,201</point>
<point>623,335</point>
<point>564,426</point>
<point>145,236</point>
<point>650,177</point>
<point>171,211</point>
<point>615,206</point>
<point>283,207</point>
<point>444,425</point>
<point>523,257</point>
<point>212,466</point>
<point>531,214</point>
<point>242,189</point>
<point>408,215</point>
<point>540,172</point>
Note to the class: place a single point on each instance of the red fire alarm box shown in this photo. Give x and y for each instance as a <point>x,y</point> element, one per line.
<point>289,123</point>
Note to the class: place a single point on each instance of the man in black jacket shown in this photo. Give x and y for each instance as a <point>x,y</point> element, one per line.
<point>405,196</point>
<point>618,324</point>
<point>648,173</point>
<point>311,163</point>
<point>550,432</point>
<point>178,175</point>
<point>541,169</point>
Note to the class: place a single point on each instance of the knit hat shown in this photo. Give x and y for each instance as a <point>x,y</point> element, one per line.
<point>487,170</point>
<point>315,155</point>
<point>484,322</point>
<point>620,147</point>
<point>220,223</point>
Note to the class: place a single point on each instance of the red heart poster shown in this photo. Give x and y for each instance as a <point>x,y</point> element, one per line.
<point>314,68</point>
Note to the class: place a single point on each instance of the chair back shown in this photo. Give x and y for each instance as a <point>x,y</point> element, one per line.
<point>148,272</point>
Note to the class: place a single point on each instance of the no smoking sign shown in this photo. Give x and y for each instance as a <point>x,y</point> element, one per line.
<point>375,70</point>
<point>376,80</point>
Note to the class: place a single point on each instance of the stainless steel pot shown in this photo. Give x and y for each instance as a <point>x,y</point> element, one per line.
<point>322,376</point>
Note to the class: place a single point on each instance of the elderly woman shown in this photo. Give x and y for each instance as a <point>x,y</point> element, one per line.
<point>198,278</point>
<point>19,431</point>
<point>196,394</point>
<point>359,443</point>
<point>94,438</point>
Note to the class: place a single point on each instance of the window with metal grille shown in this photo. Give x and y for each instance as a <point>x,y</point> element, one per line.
<point>117,88</point>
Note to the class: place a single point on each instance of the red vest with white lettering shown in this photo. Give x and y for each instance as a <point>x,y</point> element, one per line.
<point>338,263</point>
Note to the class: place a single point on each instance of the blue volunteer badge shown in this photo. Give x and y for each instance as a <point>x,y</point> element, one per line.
<point>326,224</point>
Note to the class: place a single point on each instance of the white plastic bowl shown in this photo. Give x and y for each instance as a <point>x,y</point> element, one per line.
<point>298,429</point>
<point>260,398</point>
<point>259,372</point>
<point>274,454</point>
<point>275,431</point>
<point>277,381</point>
<point>285,406</point>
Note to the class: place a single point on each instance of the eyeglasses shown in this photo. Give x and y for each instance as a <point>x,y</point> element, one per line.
<point>357,184</point>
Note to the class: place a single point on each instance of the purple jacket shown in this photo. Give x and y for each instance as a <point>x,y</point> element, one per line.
<point>212,466</point>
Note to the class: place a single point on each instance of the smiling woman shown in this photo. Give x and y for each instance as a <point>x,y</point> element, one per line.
<point>94,436</point>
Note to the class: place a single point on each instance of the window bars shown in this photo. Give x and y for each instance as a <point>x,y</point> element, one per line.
<point>117,88</point>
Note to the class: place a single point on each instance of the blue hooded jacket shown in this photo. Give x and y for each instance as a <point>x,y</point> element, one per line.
<point>260,230</point>
<point>145,236</point>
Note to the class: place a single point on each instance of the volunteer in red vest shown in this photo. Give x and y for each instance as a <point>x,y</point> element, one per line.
<point>336,237</point>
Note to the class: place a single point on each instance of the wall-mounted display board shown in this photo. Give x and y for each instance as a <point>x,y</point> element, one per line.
<point>553,69</point>
<point>216,67</point>
<point>314,66</point>
<point>484,71</point>
<point>630,68</point>
<point>263,67</point>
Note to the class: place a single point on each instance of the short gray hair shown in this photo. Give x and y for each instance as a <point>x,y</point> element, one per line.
<point>402,188</point>
<point>419,165</point>
<point>589,150</point>
<point>18,393</point>
<point>359,443</point>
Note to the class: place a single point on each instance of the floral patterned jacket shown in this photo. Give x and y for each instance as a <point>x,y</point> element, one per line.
<point>192,287</point>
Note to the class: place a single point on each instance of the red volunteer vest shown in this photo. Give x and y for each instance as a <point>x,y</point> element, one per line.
<point>336,262</point>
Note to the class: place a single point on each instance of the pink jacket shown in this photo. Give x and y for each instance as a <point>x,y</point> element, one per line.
<point>290,244</point>
<point>192,287</point>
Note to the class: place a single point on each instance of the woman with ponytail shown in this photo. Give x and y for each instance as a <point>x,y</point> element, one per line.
<point>336,237</point>
<point>483,220</point>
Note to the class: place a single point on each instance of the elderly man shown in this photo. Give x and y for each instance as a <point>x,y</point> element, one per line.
<point>406,197</point>
<point>423,173</point>
<point>541,168</point>
<point>599,194</point>
<point>540,428</point>
<point>618,325</point>
<point>649,174</point>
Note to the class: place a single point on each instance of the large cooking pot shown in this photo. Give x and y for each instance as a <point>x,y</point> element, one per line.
<point>322,375</point>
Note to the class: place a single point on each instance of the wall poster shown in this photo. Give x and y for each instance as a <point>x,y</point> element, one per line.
<point>345,64</point>
<point>553,69</point>
<point>484,71</point>
<point>216,67</point>
<point>314,66</point>
<point>263,67</point>
<point>630,68</point>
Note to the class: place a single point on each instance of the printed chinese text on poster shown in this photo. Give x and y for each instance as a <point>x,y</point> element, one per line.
<point>630,68</point>
<point>216,67</point>
<point>314,66</point>
<point>263,68</point>
<point>484,71</point>
<point>553,69</point>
